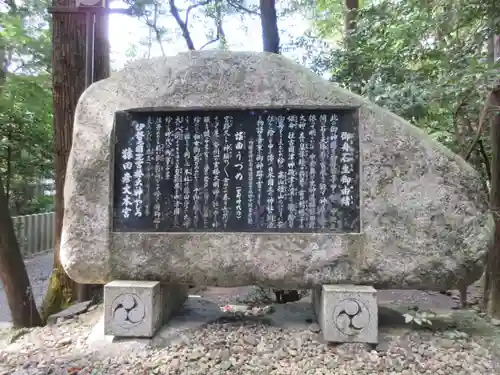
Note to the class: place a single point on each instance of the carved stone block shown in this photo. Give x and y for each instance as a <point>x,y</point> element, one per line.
<point>138,308</point>
<point>347,313</point>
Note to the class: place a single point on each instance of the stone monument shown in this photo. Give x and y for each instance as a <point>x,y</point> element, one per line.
<point>229,168</point>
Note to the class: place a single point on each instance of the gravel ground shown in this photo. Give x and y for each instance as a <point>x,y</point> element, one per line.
<point>242,345</point>
<point>39,269</point>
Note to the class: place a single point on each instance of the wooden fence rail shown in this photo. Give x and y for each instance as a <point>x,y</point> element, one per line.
<point>35,233</point>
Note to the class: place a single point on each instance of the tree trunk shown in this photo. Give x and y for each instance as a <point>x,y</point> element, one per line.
<point>350,22</point>
<point>492,286</point>
<point>351,15</point>
<point>269,22</point>
<point>271,43</point>
<point>101,54</point>
<point>8,172</point>
<point>12,269</point>
<point>68,72</point>
<point>13,272</point>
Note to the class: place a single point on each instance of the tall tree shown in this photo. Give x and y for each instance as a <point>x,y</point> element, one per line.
<point>68,82</point>
<point>492,287</point>
<point>271,43</point>
<point>13,272</point>
<point>12,269</point>
<point>68,68</point>
<point>269,23</point>
<point>350,18</point>
<point>25,105</point>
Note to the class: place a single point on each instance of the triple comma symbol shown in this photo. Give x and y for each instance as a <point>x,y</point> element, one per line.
<point>351,316</point>
<point>128,310</point>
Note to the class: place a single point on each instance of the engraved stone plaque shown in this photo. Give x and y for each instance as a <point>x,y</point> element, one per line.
<point>237,170</point>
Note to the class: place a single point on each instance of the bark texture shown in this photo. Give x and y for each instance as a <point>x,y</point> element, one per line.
<point>269,23</point>
<point>13,272</point>
<point>68,70</point>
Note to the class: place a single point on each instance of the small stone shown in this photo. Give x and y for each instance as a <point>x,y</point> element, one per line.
<point>63,342</point>
<point>447,343</point>
<point>194,356</point>
<point>281,354</point>
<point>175,363</point>
<point>495,322</point>
<point>331,364</point>
<point>263,348</point>
<point>382,347</point>
<point>226,365</point>
<point>251,340</point>
<point>203,366</point>
<point>314,327</point>
<point>225,355</point>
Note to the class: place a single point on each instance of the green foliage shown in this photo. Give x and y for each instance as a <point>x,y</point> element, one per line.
<point>420,318</point>
<point>26,139</point>
<point>426,61</point>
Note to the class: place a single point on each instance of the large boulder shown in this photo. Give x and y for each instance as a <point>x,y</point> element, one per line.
<point>425,219</point>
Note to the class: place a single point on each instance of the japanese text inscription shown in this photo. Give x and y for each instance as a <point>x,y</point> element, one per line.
<point>237,170</point>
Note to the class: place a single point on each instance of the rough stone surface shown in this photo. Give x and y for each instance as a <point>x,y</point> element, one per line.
<point>426,223</point>
<point>347,313</point>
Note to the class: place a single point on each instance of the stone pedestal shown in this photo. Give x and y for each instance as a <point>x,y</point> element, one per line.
<point>347,313</point>
<point>139,308</point>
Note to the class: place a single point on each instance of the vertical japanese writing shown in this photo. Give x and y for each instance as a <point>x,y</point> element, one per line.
<point>127,165</point>
<point>291,172</point>
<point>178,133</point>
<point>216,173</point>
<point>264,170</point>
<point>250,203</point>
<point>259,166</point>
<point>323,149</point>
<point>302,172</point>
<point>271,130</point>
<point>312,172</point>
<point>226,159</point>
<point>196,177</point>
<point>158,170</point>
<point>333,155</point>
<point>346,160</point>
<point>206,171</point>
<point>188,175</point>
<point>239,138</point>
<point>148,173</point>
<point>169,147</point>
<point>281,173</point>
<point>138,174</point>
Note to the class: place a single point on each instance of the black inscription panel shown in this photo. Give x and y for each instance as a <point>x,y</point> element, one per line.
<point>252,170</point>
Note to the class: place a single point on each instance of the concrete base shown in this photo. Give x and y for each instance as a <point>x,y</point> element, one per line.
<point>347,313</point>
<point>139,308</point>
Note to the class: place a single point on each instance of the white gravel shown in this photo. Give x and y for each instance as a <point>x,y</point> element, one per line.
<point>243,346</point>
